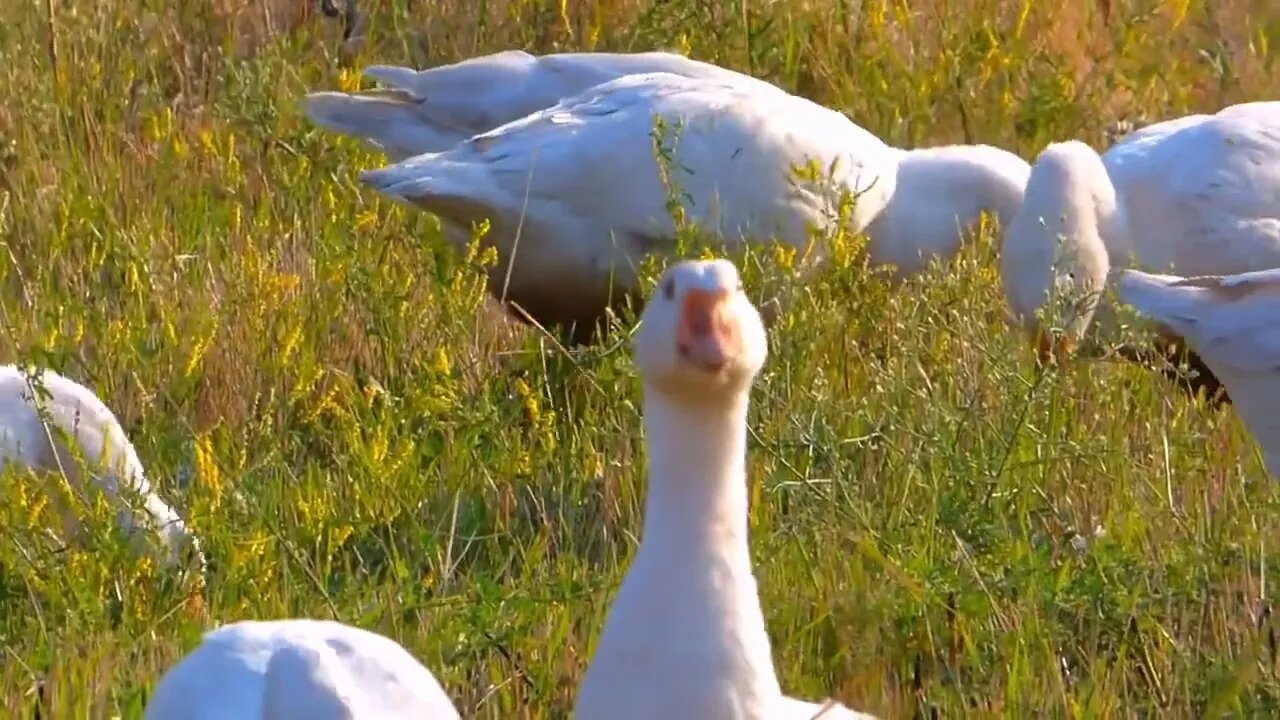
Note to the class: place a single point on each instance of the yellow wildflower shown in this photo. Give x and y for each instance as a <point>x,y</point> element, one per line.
<point>440,361</point>
<point>207,470</point>
<point>348,80</point>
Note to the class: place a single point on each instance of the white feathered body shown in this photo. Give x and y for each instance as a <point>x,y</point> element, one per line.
<point>224,677</point>
<point>1202,192</point>
<point>1196,195</point>
<point>304,681</point>
<point>688,646</point>
<point>559,151</point>
<point>578,196</point>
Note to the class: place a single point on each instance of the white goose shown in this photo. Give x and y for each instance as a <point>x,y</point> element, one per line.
<point>1233,322</point>
<point>1054,258</point>
<point>422,111</point>
<point>1197,195</point>
<point>577,198</point>
<point>303,669</point>
<point>74,415</point>
<point>685,636</point>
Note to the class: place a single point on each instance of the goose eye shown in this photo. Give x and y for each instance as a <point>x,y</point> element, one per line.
<point>669,289</point>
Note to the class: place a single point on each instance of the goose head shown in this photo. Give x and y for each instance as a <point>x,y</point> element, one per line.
<point>700,338</point>
<point>1054,262</point>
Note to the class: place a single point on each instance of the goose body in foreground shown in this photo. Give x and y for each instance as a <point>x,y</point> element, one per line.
<point>427,111</point>
<point>1233,323</point>
<point>579,193</point>
<point>46,419</point>
<point>1197,195</point>
<point>305,680</point>
<point>684,636</point>
<point>286,669</point>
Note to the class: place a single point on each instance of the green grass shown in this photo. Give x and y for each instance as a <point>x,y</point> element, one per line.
<point>372,443</point>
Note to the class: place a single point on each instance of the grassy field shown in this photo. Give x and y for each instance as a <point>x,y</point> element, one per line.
<point>369,440</point>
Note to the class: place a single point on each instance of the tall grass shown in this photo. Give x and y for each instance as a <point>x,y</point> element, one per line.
<point>939,529</point>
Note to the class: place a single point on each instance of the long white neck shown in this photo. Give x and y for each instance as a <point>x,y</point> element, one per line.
<point>940,192</point>
<point>686,629</point>
<point>697,473</point>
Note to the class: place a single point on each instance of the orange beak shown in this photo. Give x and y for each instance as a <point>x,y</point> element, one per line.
<point>704,334</point>
<point>1052,349</point>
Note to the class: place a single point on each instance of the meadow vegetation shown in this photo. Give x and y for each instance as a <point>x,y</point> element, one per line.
<point>321,387</point>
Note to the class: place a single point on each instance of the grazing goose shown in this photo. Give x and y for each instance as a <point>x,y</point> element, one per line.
<point>685,636</point>
<point>1054,253</point>
<point>72,414</point>
<point>312,669</point>
<point>1197,195</point>
<point>428,111</point>
<point>577,198</point>
<point>1233,323</point>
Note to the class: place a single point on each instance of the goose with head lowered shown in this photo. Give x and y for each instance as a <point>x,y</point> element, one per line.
<point>298,669</point>
<point>46,419</point>
<point>578,194</point>
<point>1054,262</point>
<point>685,637</point>
<point>1233,323</point>
<point>1197,195</point>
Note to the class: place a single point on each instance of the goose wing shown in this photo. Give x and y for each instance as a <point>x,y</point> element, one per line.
<point>1235,319</point>
<point>430,110</point>
<point>723,156</point>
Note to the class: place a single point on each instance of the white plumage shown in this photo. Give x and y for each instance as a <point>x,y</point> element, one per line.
<point>44,415</point>
<point>578,198</point>
<point>1197,195</point>
<point>1202,192</point>
<point>1233,323</point>
<point>426,111</point>
<point>685,637</point>
<point>1054,259</point>
<point>319,670</point>
<point>304,680</point>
